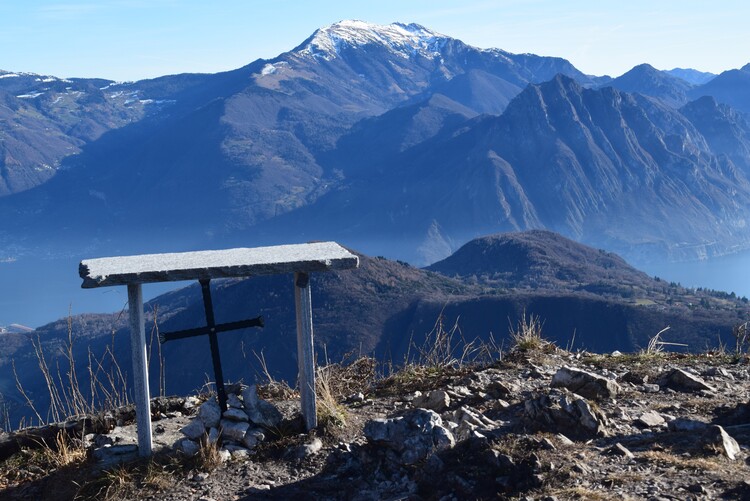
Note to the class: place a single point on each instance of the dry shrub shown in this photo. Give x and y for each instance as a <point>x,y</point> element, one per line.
<point>444,348</point>
<point>270,388</point>
<point>348,377</point>
<point>131,480</point>
<point>741,335</point>
<point>107,384</point>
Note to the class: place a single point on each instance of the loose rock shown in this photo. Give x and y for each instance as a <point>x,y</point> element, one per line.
<point>681,380</point>
<point>259,411</point>
<point>412,436</point>
<point>584,383</point>
<point>717,436</point>
<point>210,413</point>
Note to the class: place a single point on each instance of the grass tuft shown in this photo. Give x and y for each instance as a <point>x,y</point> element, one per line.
<point>208,457</point>
<point>66,451</point>
<point>330,412</point>
<point>526,335</point>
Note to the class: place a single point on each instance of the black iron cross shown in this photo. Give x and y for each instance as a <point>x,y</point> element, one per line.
<point>212,329</point>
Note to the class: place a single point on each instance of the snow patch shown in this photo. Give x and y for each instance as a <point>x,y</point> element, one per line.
<point>29,96</point>
<point>9,75</point>
<point>98,194</point>
<point>157,101</point>
<point>268,69</point>
<point>112,84</point>
<point>406,41</point>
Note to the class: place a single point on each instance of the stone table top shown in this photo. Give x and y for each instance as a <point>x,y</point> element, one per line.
<point>240,262</point>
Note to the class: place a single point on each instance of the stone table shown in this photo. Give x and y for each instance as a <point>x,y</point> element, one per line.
<point>133,271</point>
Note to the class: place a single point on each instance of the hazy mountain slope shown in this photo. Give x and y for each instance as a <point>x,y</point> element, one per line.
<point>560,157</point>
<point>647,80</point>
<point>480,91</point>
<point>45,119</point>
<point>692,76</point>
<point>731,87</point>
<point>726,130</point>
<point>369,145</point>
<point>587,158</point>
<point>538,259</point>
<point>231,149</point>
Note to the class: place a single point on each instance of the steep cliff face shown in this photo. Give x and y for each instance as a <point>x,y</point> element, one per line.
<point>590,158</point>
<point>726,130</point>
<point>616,170</point>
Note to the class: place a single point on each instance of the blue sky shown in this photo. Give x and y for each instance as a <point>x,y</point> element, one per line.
<point>134,39</point>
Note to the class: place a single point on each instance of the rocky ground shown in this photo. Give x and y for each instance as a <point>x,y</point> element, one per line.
<point>540,423</point>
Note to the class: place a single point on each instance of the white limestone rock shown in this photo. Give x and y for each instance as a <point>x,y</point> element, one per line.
<point>210,413</point>
<point>234,401</point>
<point>233,430</point>
<point>194,429</point>
<point>727,445</point>
<point>259,411</point>
<point>585,383</point>
<point>235,414</point>
<point>436,400</point>
<point>651,419</point>
<point>188,447</point>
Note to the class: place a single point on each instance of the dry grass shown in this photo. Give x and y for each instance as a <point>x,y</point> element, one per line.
<point>588,494</point>
<point>444,353</point>
<point>413,377</point>
<point>107,385</point>
<point>135,479</point>
<point>526,335</point>
<point>113,484</point>
<point>742,338</point>
<point>208,457</point>
<point>668,459</point>
<point>337,381</point>
<point>329,411</point>
<point>655,346</point>
<point>66,451</point>
<point>444,347</point>
<point>158,477</point>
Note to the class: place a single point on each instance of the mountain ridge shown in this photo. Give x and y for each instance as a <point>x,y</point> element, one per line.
<point>562,157</point>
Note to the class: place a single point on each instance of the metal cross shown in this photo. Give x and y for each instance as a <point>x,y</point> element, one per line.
<point>212,329</point>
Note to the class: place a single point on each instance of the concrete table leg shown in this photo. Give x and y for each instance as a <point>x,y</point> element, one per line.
<point>140,369</point>
<point>305,353</point>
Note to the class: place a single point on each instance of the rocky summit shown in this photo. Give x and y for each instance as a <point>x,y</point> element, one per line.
<point>539,423</point>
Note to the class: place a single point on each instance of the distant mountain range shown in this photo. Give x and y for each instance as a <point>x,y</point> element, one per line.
<point>587,298</point>
<point>394,139</point>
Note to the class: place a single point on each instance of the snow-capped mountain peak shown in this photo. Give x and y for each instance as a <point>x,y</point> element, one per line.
<point>406,40</point>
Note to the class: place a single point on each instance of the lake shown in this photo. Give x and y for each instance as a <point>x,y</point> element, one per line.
<point>39,291</point>
<point>728,273</point>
